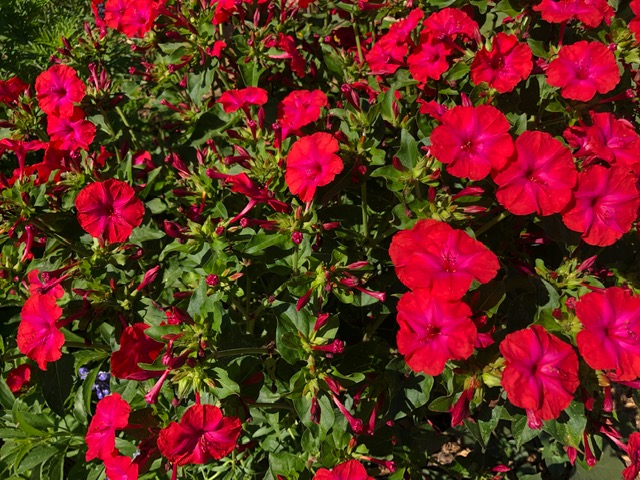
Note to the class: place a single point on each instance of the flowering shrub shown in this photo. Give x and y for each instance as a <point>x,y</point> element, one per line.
<point>324,240</point>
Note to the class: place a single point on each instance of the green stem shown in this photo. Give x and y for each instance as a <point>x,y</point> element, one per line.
<point>93,346</point>
<point>237,352</point>
<point>365,212</point>
<point>281,406</point>
<point>294,259</point>
<point>491,223</point>
<point>131,131</point>
<point>357,35</point>
<point>71,246</point>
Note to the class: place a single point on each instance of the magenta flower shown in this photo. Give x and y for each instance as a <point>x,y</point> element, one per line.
<point>541,373</point>
<point>58,89</point>
<point>472,141</point>
<point>433,331</point>
<point>38,336</point>
<point>605,204</point>
<point>582,69</point>
<point>610,338</point>
<point>539,178</point>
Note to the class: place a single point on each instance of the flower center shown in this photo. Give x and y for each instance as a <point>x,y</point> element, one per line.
<point>430,332</point>
<point>450,261</point>
<point>497,62</point>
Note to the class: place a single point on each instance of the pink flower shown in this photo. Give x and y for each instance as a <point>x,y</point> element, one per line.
<point>18,377</point>
<point>539,178</point>
<point>135,348</point>
<point>300,108</point>
<point>472,141</point>
<point>589,12</point>
<point>71,133</point>
<point>349,470</point>
<point>504,66</point>
<point>120,468</point>
<point>58,89</point>
<point>312,162</point>
<point>434,256</point>
<point>582,69</point>
<point>541,373</point>
<point>433,330</point>
<point>109,210</point>
<point>604,206</point>
<point>38,336</point>
<point>233,100</point>
<point>610,338</point>
<point>202,434</point>
<point>139,17</point>
<point>633,450</point>
<point>112,413</point>
<point>429,60</point>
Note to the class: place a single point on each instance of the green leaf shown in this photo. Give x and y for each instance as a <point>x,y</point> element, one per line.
<point>521,431</point>
<point>262,241</point>
<point>286,464</point>
<point>37,456</point>
<point>6,395</point>
<point>224,385</point>
<point>408,153</point>
<point>568,429</point>
<point>57,382</point>
<point>158,332</point>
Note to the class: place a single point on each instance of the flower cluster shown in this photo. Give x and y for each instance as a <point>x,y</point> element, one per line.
<point>308,239</point>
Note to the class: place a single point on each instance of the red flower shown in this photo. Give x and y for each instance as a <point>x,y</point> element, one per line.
<point>71,133</point>
<point>300,108</point>
<point>504,66</point>
<point>113,12</point>
<point>233,100</point>
<point>429,60</point>
<point>541,373</point>
<point>582,69</point>
<point>139,17</point>
<point>540,177</point>
<point>135,348</point>
<point>611,139</point>
<point>633,450</point>
<point>35,285</point>
<point>11,89</point>
<point>472,141</point>
<point>18,377</point>
<point>349,470</point>
<point>121,468</point>
<point>610,338</point>
<point>312,162</point>
<point>38,337</point>
<point>202,434</point>
<point>604,205</point>
<point>288,45</point>
<point>58,89</point>
<point>434,256</point>
<point>450,23</point>
<point>589,12</point>
<point>634,24</point>
<point>433,330</point>
<point>112,413</point>
<point>109,210</point>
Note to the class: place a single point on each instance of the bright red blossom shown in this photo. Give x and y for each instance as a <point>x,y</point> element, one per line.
<point>582,69</point>
<point>444,261</point>
<point>11,89</point>
<point>38,336</point>
<point>202,434</point>
<point>71,133</point>
<point>312,162</point>
<point>233,100</point>
<point>300,108</point>
<point>109,210</point>
<point>135,348</point>
<point>58,89</point>
<point>539,178</point>
<point>541,373</point>
<point>633,450</point>
<point>121,468</point>
<point>504,66</point>
<point>604,205</point>
<point>449,23</point>
<point>472,141</point>
<point>589,12</point>
<point>429,60</point>
<point>112,413</point>
<point>134,18</point>
<point>610,338</point>
<point>349,470</point>
<point>433,330</point>
<point>18,377</point>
